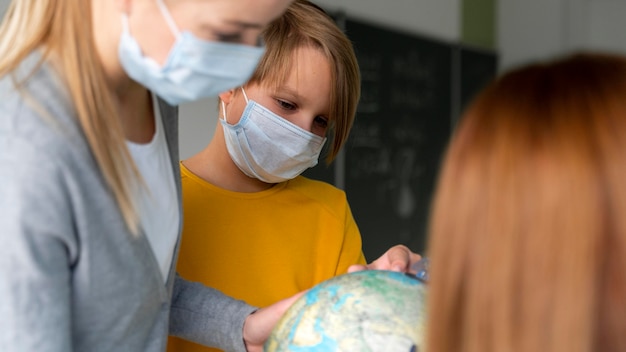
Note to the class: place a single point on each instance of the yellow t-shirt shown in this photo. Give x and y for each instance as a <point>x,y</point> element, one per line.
<point>265,246</point>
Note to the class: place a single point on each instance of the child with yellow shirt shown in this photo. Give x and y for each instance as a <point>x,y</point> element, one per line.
<point>255,228</point>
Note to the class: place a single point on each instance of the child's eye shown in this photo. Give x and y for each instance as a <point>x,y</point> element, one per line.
<point>285,105</point>
<point>321,121</point>
<point>224,37</point>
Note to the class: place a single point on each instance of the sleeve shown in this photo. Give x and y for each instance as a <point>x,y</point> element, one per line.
<point>352,249</point>
<point>36,252</point>
<point>207,316</point>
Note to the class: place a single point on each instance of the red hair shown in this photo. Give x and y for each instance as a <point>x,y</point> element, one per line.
<point>528,230</point>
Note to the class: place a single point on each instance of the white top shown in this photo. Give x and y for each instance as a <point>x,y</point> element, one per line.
<point>158,203</point>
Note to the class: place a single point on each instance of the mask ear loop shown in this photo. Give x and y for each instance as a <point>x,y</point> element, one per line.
<point>223,109</point>
<point>244,94</point>
<point>125,26</point>
<point>168,18</point>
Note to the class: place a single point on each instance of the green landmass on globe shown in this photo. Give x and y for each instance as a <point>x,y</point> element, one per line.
<point>364,311</point>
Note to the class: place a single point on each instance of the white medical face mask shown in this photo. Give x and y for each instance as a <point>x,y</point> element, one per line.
<point>194,68</point>
<point>268,147</point>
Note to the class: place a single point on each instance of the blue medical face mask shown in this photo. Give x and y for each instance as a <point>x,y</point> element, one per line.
<point>268,147</point>
<point>194,68</point>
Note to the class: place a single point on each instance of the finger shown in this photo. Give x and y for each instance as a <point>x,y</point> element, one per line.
<point>260,324</point>
<point>356,267</point>
<point>279,308</point>
<point>401,258</point>
<point>415,258</point>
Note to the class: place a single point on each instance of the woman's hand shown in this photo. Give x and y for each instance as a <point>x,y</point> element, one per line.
<point>259,325</point>
<point>397,258</point>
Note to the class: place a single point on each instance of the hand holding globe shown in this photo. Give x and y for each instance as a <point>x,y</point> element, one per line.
<point>398,259</point>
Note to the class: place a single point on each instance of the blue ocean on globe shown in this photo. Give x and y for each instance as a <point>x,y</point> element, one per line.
<point>365,311</point>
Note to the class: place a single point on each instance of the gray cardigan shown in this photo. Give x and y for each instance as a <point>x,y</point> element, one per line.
<point>72,278</point>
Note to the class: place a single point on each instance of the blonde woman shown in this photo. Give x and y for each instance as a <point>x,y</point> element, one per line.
<point>89,184</point>
<point>528,235</point>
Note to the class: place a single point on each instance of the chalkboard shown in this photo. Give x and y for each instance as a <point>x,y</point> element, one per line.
<point>402,126</point>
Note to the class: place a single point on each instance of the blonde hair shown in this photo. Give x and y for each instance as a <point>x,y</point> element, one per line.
<point>528,234</point>
<point>305,24</point>
<point>62,31</point>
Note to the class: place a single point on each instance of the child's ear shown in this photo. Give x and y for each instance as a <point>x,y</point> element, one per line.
<point>227,96</point>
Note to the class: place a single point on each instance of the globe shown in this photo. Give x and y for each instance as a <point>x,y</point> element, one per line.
<point>370,310</point>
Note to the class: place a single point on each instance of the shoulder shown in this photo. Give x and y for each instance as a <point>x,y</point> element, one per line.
<point>37,120</point>
<point>41,144</point>
<point>317,190</point>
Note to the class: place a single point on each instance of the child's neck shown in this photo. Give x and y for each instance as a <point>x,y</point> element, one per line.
<point>214,165</point>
